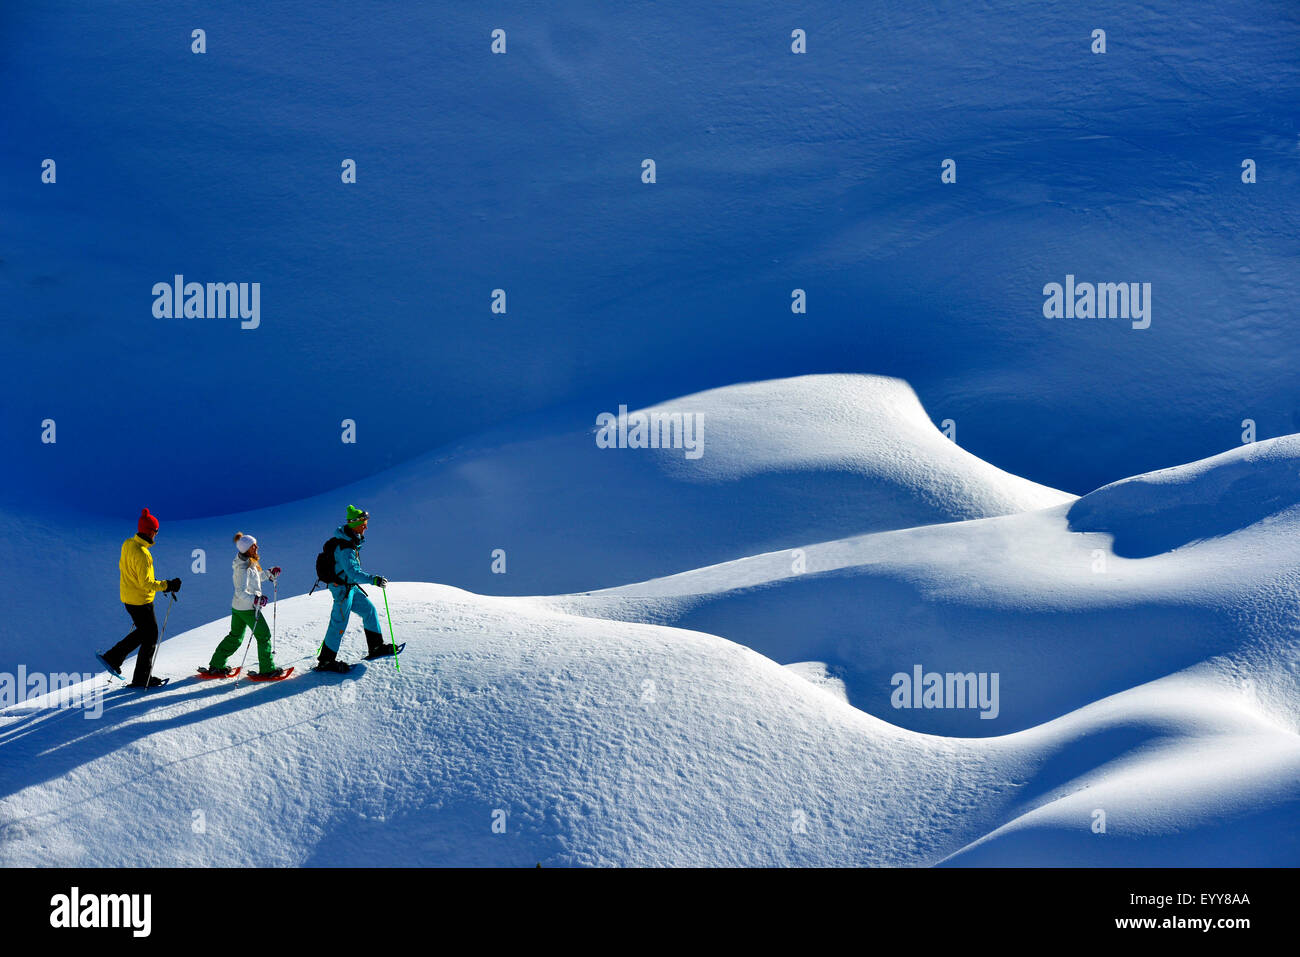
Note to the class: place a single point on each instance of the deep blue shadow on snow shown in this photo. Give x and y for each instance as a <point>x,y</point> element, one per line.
<point>40,746</point>
<point>1150,515</point>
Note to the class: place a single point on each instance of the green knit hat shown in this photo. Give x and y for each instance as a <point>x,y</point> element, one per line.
<point>356,516</point>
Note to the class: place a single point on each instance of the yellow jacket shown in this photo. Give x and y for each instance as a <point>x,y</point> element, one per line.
<point>136,566</point>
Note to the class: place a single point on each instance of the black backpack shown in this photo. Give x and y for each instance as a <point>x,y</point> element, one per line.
<point>325,562</point>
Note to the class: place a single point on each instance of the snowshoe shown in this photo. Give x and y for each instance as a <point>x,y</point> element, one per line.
<point>207,674</point>
<point>153,683</point>
<point>334,665</point>
<point>385,651</point>
<point>279,674</point>
<point>115,672</point>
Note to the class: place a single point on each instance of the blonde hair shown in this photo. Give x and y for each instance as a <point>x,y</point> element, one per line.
<point>252,559</point>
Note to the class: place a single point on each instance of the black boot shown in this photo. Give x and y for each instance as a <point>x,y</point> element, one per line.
<point>375,646</point>
<point>328,661</point>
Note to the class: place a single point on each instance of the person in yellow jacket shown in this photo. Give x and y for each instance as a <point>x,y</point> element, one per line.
<point>137,588</point>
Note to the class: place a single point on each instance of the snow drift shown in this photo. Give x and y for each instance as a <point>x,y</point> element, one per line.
<point>784,463</point>
<point>589,742</point>
<point>1164,510</point>
<point>740,713</point>
<point>1062,617</point>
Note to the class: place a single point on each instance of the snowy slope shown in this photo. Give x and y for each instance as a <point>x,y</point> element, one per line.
<point>1146,637</point>
<point>1187,771</point>
<point>614,743</point>
<point>1045,599</point>
<point>1158,691</point>
<point>781,463</point>
<point>1160,511</point>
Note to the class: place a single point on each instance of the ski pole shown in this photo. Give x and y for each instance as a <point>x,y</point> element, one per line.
<point>166,615</point>
<point>396,662</point>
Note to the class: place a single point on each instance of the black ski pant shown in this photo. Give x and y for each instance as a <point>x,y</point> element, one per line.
<point>144,637</point>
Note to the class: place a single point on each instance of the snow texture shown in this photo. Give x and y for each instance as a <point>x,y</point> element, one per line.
<point>633,655</point>
<point>655,723</point>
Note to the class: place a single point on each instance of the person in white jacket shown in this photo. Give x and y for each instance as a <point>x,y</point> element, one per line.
<point>246,611</point>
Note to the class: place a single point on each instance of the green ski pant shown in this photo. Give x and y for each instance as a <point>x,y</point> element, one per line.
<point>239,621</point>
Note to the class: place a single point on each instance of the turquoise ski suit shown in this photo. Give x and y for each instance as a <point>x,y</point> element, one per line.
<point>349,598</point>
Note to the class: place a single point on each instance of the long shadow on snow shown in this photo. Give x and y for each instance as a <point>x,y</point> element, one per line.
<point>47,749</point>
<point>1049,661</point>
<point>1138,514</point>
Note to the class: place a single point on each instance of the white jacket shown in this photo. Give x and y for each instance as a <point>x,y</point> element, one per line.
<point>248,583</point>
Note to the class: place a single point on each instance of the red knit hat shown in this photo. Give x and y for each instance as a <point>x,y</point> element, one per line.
<point>148,525</point>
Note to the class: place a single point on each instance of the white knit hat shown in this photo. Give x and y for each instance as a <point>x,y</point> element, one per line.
<point>244,543</point>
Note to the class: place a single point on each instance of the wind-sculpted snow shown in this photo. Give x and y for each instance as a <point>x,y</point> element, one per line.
<point>1094,708</point>
<point>1161,511</point>
<point>1058,616</point>
<point>783,463</point>
<point>791,619</point>
<point>514,735</point>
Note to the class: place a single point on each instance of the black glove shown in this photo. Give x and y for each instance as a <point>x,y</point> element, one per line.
<point>173,584</point>
<point>381,581</point>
